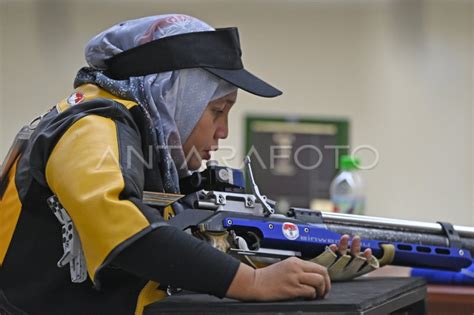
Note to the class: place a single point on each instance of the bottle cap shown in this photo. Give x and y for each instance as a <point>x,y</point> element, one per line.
<point>348,162</point>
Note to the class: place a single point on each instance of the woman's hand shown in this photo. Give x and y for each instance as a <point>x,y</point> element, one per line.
<point>287,279</point>
<point>290,278</point>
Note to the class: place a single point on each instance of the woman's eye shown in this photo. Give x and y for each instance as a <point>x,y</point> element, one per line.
<point>218,111</point>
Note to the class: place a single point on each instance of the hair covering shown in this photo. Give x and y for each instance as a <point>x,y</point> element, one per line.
<point>175,100</point>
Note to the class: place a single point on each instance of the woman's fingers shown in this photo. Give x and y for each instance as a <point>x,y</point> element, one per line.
<point>367,253</point>
<point>343,244</point>
<point>355,246</point>
<point>316,281</point>
<point>307,291</point>
<point>320,271</point>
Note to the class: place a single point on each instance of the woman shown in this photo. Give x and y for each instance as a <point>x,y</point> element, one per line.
<point>166,99</point>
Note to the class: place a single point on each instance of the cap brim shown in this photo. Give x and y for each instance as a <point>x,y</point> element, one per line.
<point>246,81</point>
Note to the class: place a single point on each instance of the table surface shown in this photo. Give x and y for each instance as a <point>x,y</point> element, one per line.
<point>460,291</point>
<point>361,296</point>
<point>448,299</point>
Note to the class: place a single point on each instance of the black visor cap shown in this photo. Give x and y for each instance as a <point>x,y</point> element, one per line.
<point>217,51</point>
<point>245,81</point>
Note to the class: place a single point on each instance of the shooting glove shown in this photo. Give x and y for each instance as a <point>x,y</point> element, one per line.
<point>345,267</point>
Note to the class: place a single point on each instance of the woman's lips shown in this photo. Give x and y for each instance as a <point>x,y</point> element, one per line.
<point>206,155</point>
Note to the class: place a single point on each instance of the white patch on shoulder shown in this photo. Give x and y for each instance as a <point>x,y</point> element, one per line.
<point>75,98</point>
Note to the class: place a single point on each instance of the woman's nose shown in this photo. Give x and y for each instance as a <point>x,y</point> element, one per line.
<point>222,130</point>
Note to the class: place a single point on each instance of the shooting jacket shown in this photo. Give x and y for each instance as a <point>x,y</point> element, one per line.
<point>91,151</point>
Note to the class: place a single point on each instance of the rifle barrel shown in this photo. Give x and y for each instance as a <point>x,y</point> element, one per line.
<point>393,224</point>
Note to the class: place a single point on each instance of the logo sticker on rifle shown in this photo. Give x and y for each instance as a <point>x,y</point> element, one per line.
<point>290,231</point>
<point>75,98</point>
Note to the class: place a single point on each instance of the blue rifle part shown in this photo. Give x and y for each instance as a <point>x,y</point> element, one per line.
<point>309,240</point>
<point>249,226</point>
<point>463,277</point>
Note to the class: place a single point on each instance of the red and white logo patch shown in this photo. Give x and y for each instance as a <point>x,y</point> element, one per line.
<point>75,98</point>
<point>290,231</point>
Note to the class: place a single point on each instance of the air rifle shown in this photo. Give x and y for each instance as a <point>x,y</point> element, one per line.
<point>246,225</point>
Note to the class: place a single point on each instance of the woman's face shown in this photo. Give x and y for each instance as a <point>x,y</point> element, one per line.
<point>210,128</point>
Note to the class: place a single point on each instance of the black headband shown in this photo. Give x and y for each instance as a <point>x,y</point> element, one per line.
<point>211,49</point>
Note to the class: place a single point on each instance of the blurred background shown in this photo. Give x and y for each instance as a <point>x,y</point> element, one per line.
<point>400,72</point>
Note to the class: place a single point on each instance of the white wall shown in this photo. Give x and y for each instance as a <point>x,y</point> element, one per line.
<point>401,71</point>
<point>2,40</point>
<point>472,110</point>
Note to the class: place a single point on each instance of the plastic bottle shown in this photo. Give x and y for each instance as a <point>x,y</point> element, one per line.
<point>347,189</point>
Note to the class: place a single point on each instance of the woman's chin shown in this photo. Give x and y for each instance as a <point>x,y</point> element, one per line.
<point>194,164</point>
